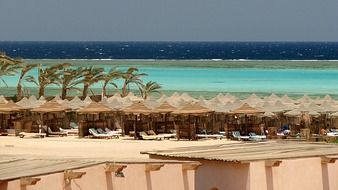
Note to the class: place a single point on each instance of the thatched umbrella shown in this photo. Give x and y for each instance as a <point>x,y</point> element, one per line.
<point>138,109</point>
<point>94,108</point>
<point>8,107</point>
<point>246,110</point>
<point>49,107</point>
<point>192,109</point>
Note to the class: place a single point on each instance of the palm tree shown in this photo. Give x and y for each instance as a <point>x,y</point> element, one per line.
<point>48,76</point>
<point>8,66</point>
<point>24,70</point>
<point>70,79</point>
<point>131,77</point>
<point>91,75</point>
<point>109,78</point>
<point>150,87</point>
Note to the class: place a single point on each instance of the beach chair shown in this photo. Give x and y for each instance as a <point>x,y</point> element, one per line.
<point>69,131</point>
<point>31,135</point>
<point>164,135</point>
<point>96,134</point>
<point>254,137</point>
<point>48,131</point>
<point>237,136</point>
<point>117,133</point>
<point>145,136</point>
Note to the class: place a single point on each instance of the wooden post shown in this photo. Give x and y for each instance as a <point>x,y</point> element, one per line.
<point>327,160</point>
<point>153,167</point>
<point>70,175</point>
<point>190,166</point>
<point>29,181</point>
<point>272,163</point>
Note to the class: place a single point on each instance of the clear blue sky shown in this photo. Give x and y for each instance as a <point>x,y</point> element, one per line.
<point>169,20</point>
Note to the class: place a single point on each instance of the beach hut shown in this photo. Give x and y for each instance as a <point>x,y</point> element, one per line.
<point>6,109</point>
<point>141,120</point>
<point>52,114</point>
<point>94,109</point>
<point>166,124</point>
<point>193,112</point>
<point>244,112</point>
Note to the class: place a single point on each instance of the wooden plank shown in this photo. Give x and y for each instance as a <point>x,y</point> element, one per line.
<point>29,181</point>
<point>153,167</point>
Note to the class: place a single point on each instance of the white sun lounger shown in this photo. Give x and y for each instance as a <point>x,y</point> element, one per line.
<point>98,135</point>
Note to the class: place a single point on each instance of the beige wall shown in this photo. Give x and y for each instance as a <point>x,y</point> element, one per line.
<point>169,177</point>
<point>295,174</point>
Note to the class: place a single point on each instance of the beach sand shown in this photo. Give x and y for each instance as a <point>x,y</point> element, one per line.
<point>124,149</point>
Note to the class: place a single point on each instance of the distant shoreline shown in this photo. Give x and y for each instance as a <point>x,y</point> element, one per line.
<point>230,64</point>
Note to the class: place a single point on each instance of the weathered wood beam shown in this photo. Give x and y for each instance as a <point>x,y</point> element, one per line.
<point>69,175</point>
<point>153,167</point>
<point>29,181</point>
<point>114,167</point>
<point>327,160</point>
<point>272,163</point>
<point>190,166</point>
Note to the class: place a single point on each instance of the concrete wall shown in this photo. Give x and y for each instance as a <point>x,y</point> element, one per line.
<point>170,176</point>
<point>295,174</point>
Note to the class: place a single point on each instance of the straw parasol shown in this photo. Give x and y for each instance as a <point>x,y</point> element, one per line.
<point>247,109</point>
<point>165,107</point>
<point>9,107</point>
<point>138,108</point>
<point>192,109</point>
<point>3,99</point>
<point>50,107</point>
<point>94,108</point>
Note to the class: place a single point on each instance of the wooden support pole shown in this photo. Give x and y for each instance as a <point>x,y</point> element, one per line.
<point>190,166</point>
<point>272,163</point>
<point>29,181</point>
<point>70,175</point>
<point>327,160</point>
<point>153,167</point>
<point>114,167</point>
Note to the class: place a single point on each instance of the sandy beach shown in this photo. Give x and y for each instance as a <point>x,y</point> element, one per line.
<point>73,147</point>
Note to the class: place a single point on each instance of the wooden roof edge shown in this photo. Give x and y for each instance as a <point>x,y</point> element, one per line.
<point>242,161</point>
<point>93,163</point>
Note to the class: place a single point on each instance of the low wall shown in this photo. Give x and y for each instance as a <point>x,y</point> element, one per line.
<point>170,176</point>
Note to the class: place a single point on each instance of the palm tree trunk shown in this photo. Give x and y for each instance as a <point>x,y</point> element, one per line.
<point>19,92</point>
<point>104,90</point>
<point>124,90</point>
<point>41,91</point>
<point>63,92</point>
<point>85,90</point>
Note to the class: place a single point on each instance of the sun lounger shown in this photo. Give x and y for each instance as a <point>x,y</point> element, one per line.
<point>237,135</point>
<point>69,131</point>
<point>32,135</point>
<point>208,136</point>
<point>164,135</point>
<point>145,136</point>
<point>114,133</point>
<point>50,132</point>
<point>96,134</point>
<point>255,137</point>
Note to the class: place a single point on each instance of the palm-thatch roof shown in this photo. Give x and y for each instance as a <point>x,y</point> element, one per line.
<point>192,109</point>
<point>165,107</point>
<point>138,108</point>
<point>9,107</point>
<point>247,109</point>
<point>50,107</point>
<point>94,108</point>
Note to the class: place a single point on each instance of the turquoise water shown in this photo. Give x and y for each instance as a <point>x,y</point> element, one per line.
<point>281,77</point>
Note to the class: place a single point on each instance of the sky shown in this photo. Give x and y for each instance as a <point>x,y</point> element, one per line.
<point>168,20</point>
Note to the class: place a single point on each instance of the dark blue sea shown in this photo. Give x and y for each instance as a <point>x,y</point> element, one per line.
<point>173,50</point>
